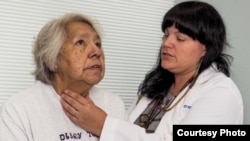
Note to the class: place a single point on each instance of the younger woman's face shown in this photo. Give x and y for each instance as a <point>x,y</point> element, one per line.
<point>180,54</point>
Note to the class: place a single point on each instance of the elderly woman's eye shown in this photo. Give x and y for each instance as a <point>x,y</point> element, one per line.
<point>98,44</point>
<point>80,42</point>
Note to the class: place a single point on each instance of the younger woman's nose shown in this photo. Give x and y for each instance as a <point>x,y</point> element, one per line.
<point>167,42</point>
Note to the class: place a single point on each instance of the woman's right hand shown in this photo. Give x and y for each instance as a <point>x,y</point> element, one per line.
<point>83,112</point>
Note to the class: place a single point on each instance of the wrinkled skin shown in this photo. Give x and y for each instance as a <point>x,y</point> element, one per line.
<point>80,63</point>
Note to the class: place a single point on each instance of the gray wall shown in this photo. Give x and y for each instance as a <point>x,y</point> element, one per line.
<point>237,19</point>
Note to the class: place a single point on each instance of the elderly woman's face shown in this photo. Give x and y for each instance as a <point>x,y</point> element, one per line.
<point>81,60</point>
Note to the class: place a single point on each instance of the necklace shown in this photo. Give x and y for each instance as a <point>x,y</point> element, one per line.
<point>152,115</point>
<point>190,84</point>
<point>167,99</point>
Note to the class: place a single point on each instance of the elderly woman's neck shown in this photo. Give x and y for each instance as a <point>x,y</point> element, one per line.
<point>80,88</point>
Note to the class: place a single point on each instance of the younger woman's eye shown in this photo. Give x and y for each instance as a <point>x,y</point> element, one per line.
<point>164,36</point>
<point>180,39</point>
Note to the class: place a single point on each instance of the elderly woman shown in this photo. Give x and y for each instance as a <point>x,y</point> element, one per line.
<point>68,56</point>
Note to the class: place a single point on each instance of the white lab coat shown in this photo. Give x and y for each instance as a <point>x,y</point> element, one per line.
<point>214,99</point>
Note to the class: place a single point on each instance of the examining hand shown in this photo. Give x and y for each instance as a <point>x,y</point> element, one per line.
<point>83,112</point>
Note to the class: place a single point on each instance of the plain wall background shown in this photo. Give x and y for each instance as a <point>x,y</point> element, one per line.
<point>237,19</point>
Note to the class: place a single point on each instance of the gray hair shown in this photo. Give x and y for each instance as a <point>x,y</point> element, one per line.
<point>49,42</point>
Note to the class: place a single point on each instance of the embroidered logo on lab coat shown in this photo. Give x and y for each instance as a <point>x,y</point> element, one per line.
<point>187,106</point>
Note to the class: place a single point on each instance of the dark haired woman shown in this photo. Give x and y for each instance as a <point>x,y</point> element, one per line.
<point>190,83</point>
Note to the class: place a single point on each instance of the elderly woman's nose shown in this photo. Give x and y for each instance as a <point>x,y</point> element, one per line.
<point>95,51</point>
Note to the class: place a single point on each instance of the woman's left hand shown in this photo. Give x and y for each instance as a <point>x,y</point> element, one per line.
<point>83,112</point>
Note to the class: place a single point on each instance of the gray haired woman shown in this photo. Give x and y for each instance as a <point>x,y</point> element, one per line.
<point>68,55</point>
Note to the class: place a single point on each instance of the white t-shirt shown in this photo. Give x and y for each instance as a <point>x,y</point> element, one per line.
<point>36,114</point>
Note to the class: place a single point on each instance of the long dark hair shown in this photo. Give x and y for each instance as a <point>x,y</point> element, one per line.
<point>202,22</point>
